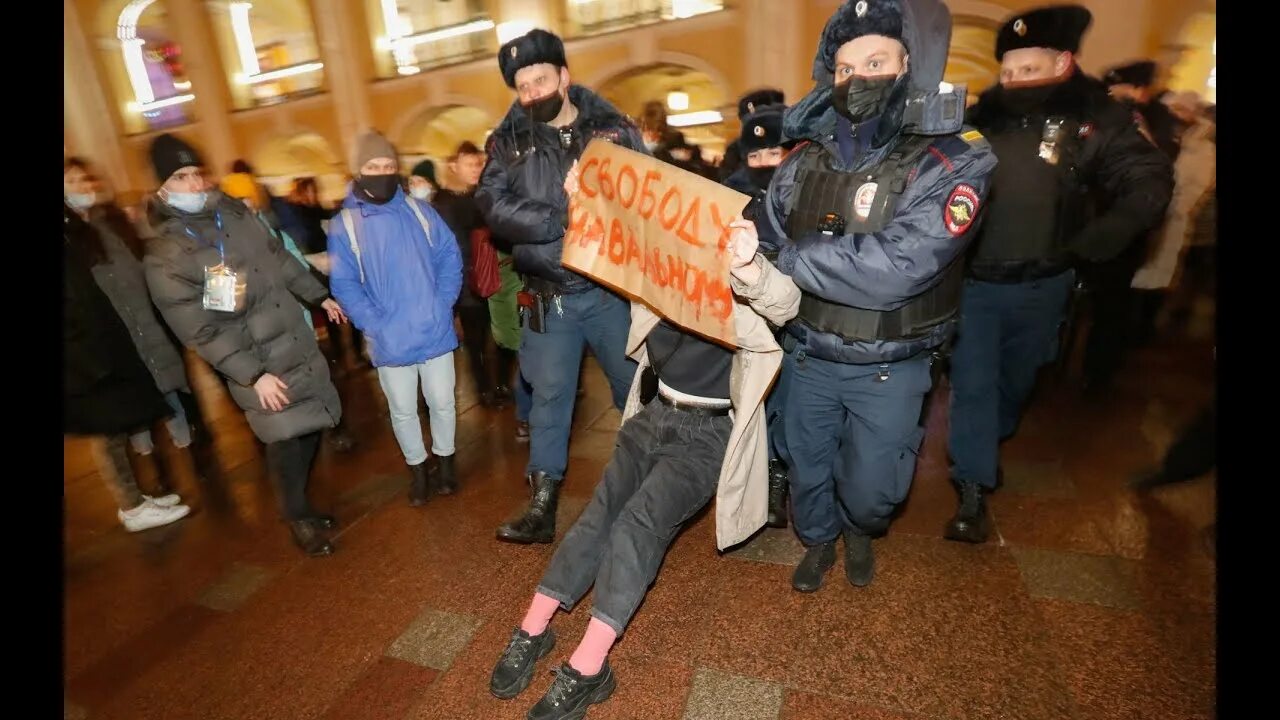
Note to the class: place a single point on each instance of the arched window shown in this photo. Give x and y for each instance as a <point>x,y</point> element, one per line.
<point>269,50</point>
<point>591,17</point>
<point>411,35</point>
<point>145,68</point>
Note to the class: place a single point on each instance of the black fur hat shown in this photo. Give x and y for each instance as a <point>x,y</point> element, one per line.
<point>762,129</point>
<point>857,18</point>
<point>1057,27</point>
<point>534,47</point>
<point>756,99</point>
<point>1139,74</point>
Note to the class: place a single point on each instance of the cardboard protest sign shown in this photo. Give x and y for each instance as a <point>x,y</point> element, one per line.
<point>656,233</point>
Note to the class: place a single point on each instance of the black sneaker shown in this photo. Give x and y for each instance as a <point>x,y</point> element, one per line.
<point>817,561</point>
<point>572,694</point>
<point>514,670</point>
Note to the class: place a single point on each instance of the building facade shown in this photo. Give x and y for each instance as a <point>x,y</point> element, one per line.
<point>288,84</point>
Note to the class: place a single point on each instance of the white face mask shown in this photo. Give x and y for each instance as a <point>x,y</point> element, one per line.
<point>650,145</point>
<point>81,201</point>
<point>187,202</point>
<point>422,192</point>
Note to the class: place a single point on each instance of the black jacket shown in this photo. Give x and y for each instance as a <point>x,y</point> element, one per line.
<point>463,216</point>
<point>106,388</point>
<point>1109,186</point>
<point>521,192</point>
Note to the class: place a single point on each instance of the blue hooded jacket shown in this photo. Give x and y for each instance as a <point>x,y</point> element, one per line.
<point>412,279</point>
<point>884,270</point>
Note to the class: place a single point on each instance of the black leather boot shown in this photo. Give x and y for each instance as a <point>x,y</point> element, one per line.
<point>777,494</point>
<point>817,561</point>
<point>970,523</point>
<point>419,485</point>
<point>310,539</point>
<point>538,523</point>
<point>859,561</point>
<point>446,481</point>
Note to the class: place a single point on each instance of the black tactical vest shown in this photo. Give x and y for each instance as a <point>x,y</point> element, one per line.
<point>835,202</point>
<point>1039,202</point>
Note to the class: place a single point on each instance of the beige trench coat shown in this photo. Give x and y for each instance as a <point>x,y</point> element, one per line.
<point>1195,174</point>
<point>742,495</point>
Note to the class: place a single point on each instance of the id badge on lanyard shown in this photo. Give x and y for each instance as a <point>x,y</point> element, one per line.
<point>219,280</point>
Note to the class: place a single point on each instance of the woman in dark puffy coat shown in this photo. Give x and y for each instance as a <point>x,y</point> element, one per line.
<point>228,288</point>
<point>107,391</point>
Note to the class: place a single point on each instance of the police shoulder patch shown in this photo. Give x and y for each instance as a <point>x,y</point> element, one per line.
<point>961,209</point>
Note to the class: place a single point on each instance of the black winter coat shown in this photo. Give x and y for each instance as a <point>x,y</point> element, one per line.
<point>106,390</point>
<point>265,333</point>
<point>1110,186</point>
<point>521,192</point>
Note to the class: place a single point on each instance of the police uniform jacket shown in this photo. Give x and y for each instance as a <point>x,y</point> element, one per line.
<point>1086,197</point>
<point>885,269</point>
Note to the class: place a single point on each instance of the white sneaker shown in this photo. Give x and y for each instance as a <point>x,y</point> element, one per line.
<point>164,501</point>
<point>149,515</point>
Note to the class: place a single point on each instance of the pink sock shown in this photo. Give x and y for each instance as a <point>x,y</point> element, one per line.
<point>541,610</point>
<point>588,659</point>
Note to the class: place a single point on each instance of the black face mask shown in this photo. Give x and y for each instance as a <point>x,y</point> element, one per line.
<point>377,189</point>
<point>1026,99</point>
<point>761,176</point>
<point>861,98</point>
<point>544,110</point>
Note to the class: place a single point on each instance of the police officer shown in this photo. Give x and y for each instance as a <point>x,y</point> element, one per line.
<point>1132,85</point>
<point>1060,141</point>
<point>877,210</point>
<point>522,196</point>
<point>747,104</point>
<point>764,148</point>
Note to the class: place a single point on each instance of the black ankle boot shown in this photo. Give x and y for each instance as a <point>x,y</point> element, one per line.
<point>309,538</point>
<point>817,561</point>
<point>571,693</point>
<point>446,481</point>
<point>859,561</point>
<point>777,494</point>
<point>970,523</point>
<point>538,524</point>
<point>419,484</point>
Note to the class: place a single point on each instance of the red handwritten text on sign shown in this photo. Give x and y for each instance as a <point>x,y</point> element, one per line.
<point>657,233</point>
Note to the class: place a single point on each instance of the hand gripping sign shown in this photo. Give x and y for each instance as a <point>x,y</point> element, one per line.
<point>657,233</point>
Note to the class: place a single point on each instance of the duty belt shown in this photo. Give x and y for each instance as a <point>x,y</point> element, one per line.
<point>544,288</point>
<point>1016,271</point>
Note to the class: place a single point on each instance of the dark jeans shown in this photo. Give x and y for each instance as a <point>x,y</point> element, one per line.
<point>1006,333</point>
<point>550,362</point>
<point>853,434</point>
<point>664,470</point>
<point>289,462</point>
<point>475,338</point>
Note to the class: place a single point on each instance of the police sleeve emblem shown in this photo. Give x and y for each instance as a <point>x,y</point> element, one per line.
<point>961,209</point>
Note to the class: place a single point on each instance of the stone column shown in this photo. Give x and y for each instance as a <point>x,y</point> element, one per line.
<point>191,25</point>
